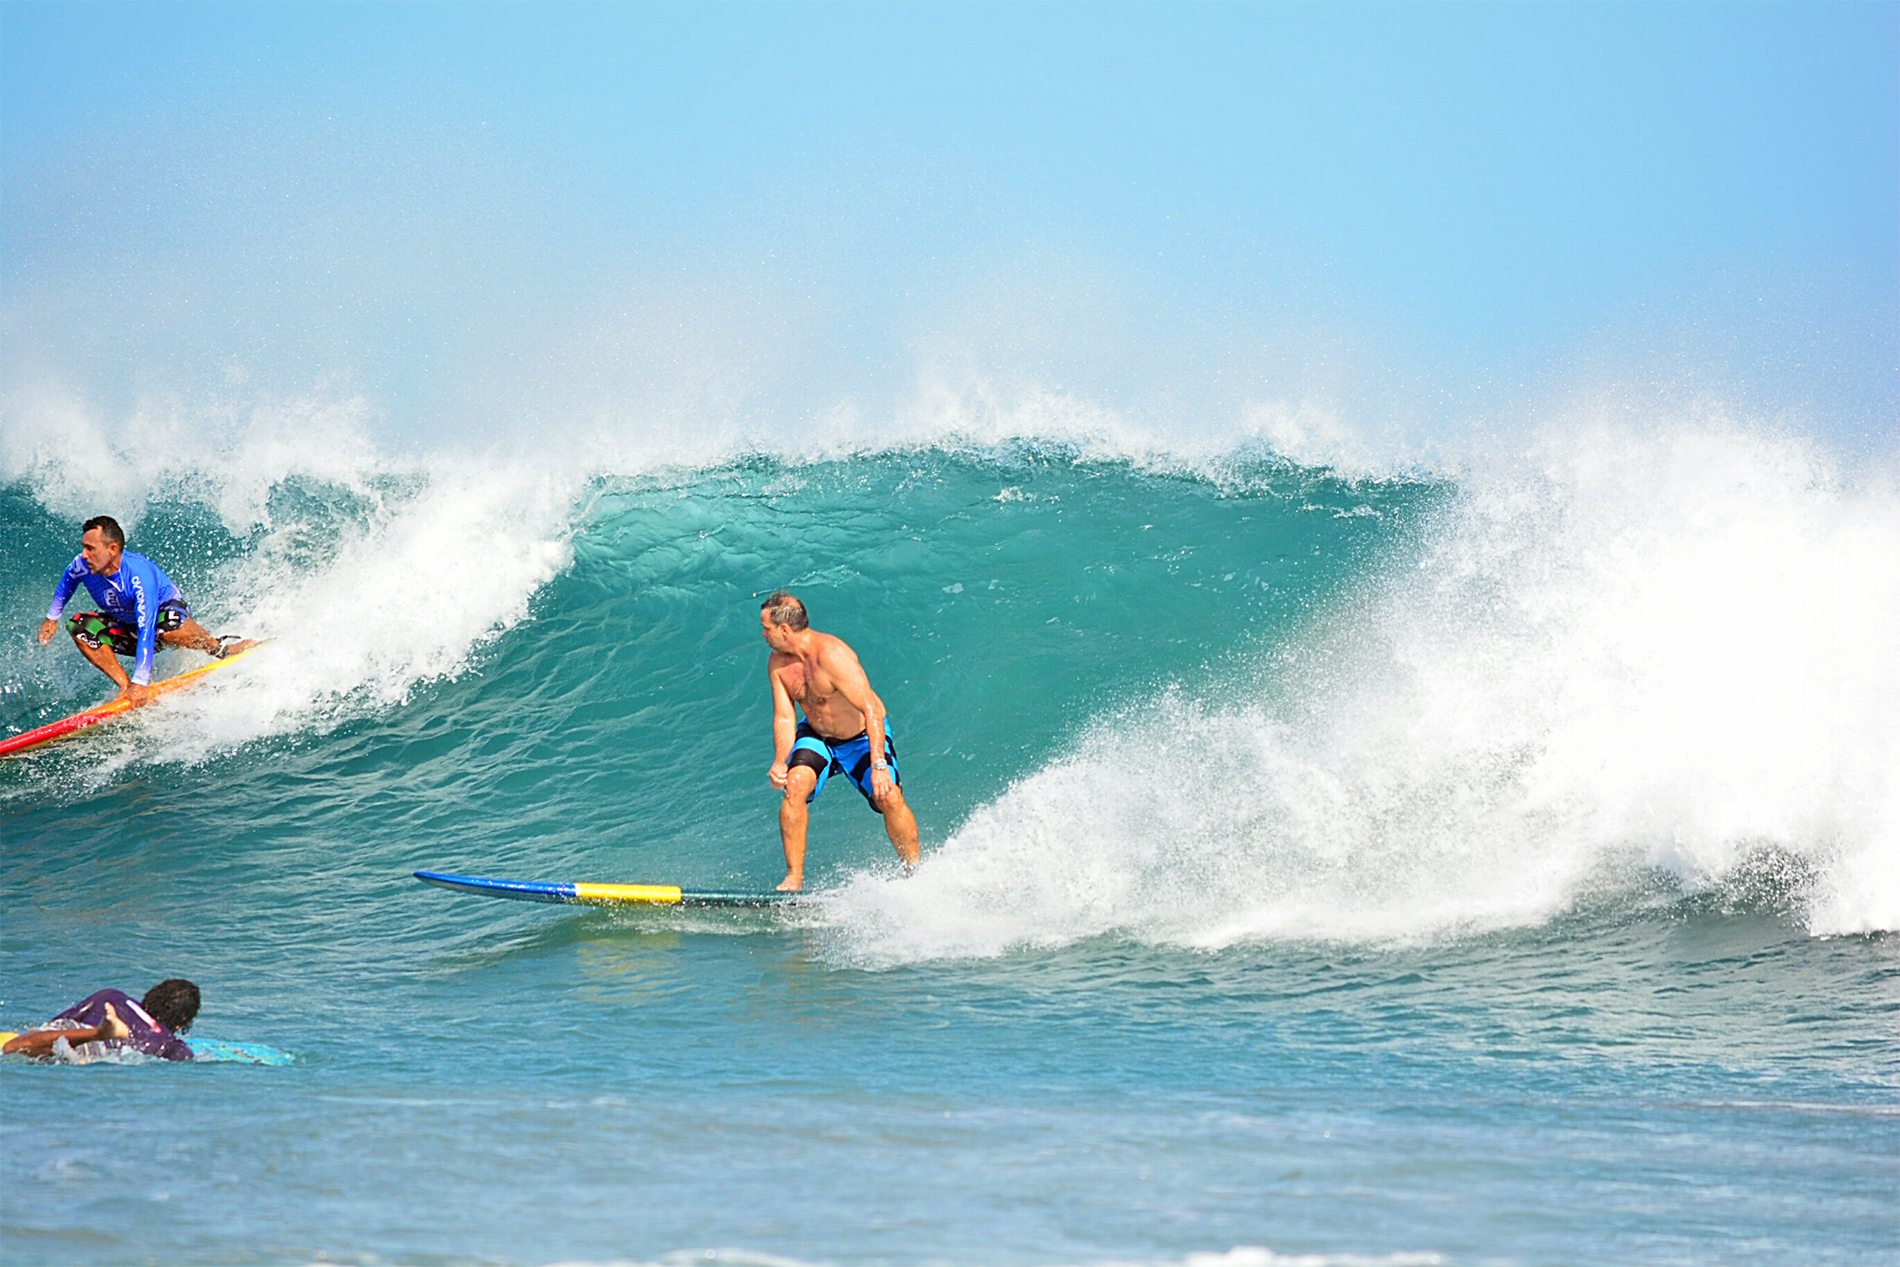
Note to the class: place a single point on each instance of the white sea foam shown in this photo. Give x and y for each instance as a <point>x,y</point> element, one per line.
<point>403,599</point>
<point>1613,652</point>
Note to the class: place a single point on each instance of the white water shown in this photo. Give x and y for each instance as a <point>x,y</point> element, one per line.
<point>1612,653</point>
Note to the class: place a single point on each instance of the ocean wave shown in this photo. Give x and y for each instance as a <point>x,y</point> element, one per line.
<point>374,571</point>
<point>1612,653</point>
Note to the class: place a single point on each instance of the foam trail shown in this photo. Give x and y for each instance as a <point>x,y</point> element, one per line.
<point>1616,654</point>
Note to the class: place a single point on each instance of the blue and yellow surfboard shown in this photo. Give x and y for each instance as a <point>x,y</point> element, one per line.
<point>585,894</point>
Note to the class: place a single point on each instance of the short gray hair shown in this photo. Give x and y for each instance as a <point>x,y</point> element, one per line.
<point>783,609</point>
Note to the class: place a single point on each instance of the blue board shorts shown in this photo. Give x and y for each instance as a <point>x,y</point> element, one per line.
<point>849,757</point>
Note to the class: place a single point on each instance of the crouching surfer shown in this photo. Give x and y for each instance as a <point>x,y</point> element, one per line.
<point>844,730</point>
<point>112,1021</point>
<point>139,609</point>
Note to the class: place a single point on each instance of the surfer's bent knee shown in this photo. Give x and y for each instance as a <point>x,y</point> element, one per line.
<point>799,782</point>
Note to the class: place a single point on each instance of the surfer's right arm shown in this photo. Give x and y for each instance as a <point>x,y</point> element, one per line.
<point>68,582</point>
<point>784,729</point>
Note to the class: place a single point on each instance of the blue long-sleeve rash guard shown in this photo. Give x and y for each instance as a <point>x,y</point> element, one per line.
<point>131,595</point>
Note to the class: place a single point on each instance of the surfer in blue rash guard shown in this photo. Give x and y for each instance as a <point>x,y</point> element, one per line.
<point>139,609</point>
<point>845,729</point>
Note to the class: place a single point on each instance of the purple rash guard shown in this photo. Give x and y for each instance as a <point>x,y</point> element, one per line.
<point>147,1035</point>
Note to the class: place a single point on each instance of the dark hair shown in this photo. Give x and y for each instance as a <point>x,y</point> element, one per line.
<point>109,529</point>
<point>783,609</point>
<point>172,1003</point>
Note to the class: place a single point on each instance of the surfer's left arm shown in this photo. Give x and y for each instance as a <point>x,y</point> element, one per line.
<point>845,670</point>
<point>145,609</point>
<point>137,689</point>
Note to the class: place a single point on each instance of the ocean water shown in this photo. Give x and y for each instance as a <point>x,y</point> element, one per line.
<point>1491,861</point>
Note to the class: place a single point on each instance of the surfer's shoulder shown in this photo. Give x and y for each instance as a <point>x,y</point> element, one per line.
<point>835,654</point>
<point>831,644</point>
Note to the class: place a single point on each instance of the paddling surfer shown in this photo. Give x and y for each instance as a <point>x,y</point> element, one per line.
<point>113,1020</point>
<point>139,609</point>
<point>844,729</point>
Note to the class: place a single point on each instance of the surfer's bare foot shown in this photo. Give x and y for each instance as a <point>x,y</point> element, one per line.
<point>112,1026</point>
<point>792,883</point>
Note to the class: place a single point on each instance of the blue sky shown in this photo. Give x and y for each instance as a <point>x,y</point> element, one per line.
<point>769,208</point>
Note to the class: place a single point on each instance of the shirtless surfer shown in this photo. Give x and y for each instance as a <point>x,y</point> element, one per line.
<point>140,608</point>
<point>843,726</point>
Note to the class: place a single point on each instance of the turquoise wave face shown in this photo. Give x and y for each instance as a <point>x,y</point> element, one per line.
<point>621,730</point>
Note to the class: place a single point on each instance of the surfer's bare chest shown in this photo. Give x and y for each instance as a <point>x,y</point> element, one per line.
<point>805,683</point>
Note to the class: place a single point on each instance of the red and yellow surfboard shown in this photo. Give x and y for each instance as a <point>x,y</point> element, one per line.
<point>46,734</point>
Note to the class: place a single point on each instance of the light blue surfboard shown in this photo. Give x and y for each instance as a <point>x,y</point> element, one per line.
<point>213,1049</point>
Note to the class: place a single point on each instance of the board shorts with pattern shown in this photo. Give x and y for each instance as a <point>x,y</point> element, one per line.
<point>96,629</point>
<point>849,757</point>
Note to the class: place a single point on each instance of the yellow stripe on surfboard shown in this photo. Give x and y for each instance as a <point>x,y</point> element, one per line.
<point>662,893</point>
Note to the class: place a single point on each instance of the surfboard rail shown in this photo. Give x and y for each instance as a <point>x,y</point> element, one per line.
<point>583,893</point>
<point>17,745</point>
